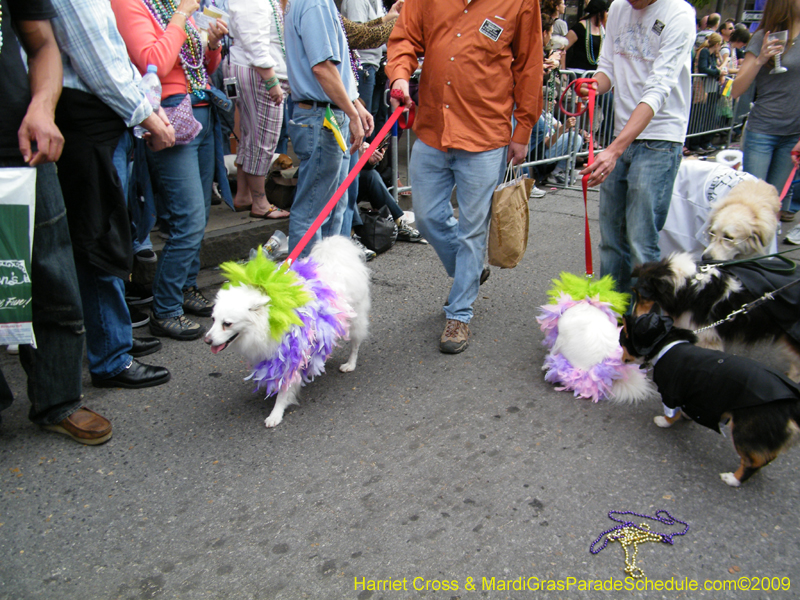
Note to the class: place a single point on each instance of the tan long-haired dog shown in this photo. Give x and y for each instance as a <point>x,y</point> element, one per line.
<point>743,222</point>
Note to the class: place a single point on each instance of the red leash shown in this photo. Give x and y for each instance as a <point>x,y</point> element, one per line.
<point>404,123</point>
<point>581,108</point>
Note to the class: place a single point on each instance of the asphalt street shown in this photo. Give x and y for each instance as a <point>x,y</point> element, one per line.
<point>419,475</point>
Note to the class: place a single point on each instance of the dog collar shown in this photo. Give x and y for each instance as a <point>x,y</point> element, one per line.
<point>666,349</point>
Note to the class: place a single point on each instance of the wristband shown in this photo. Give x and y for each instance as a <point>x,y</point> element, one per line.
<point>271,83</point>
<point>180,12</point>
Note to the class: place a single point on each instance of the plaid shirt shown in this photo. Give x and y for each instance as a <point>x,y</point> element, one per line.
<point>95,58</point>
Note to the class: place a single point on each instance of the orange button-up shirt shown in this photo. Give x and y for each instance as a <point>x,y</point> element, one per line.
<point>482,61</point>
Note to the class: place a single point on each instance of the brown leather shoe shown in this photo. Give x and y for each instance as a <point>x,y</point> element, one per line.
<point>84,426</point>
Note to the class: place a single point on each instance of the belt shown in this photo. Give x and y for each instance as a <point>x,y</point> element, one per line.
<point>308,104</point>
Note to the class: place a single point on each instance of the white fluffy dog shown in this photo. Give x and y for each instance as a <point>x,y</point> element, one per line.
<point>743,223</point>
<point>286,324</point>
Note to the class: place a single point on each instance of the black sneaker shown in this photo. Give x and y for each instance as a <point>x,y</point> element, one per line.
<point>368,254</point>
<point>137,294</point>
<point>406,233</point>
<point>147,255</point>
<point>216,196</point>
<point>138,318</point>
<point>195,303</point>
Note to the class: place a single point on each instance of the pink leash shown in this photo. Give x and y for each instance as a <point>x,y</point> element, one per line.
<point>404,123</point>
<point>788,184</point>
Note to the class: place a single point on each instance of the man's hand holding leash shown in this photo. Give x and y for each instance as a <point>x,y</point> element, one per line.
<point>402,85</point>
<point>605,162</point>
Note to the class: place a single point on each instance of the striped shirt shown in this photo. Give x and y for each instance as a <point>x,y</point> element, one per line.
<point>95,58</point>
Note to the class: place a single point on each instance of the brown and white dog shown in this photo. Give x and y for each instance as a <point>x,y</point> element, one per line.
<point>715,389</point>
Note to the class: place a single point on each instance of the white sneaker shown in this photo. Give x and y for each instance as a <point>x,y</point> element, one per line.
<point>794,236</point>
<point>536,193</point>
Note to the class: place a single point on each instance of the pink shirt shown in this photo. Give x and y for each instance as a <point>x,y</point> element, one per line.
<point>148,44</point>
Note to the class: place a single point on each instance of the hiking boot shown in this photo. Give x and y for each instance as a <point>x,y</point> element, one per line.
<point>178,328</point>
<point>406,233</point>
<point>84,426</point>
<point>368,254</point>
<point>455,338</point>
<point>196,304</point>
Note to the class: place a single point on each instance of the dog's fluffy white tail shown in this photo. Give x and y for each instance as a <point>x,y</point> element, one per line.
<point>633,388</point>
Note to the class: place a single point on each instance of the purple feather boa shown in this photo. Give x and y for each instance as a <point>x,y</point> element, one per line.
<point>594,384</point>
<point>304,349</point>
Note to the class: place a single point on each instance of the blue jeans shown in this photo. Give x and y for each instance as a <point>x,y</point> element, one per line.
<point>461,243</point>
<point>562,147</point>
<point>351,218</point>
<point>372,189</point>
<point>323,166</point>
<point>366,87</point>
<point>54,368</point>
<point>634,202</point>
<point>185,174</point>
<point>108,322</point>
<point>769,157</point>
<point>133,176</point>
<point>283,138</point>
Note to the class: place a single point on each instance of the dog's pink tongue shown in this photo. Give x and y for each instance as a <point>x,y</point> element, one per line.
<point>215,349</point>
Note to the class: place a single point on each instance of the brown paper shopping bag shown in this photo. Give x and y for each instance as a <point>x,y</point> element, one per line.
<point>508,232</point>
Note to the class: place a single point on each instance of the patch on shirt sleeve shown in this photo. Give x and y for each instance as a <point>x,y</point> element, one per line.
<point>491,30</point>
<point>658,27</point>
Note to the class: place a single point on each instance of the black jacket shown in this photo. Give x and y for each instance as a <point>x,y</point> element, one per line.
<point>707,383</point>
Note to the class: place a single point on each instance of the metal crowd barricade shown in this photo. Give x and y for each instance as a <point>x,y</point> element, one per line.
<point>571,144</point>
<point>711,112</point>
<point>716,114</point>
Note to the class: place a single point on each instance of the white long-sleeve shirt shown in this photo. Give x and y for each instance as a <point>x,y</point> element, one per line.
<point>647,57</point>
<point>256,42</point>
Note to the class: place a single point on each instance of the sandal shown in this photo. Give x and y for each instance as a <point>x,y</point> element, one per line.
<point>403,193</point>
<point>243,207</point>
<point>273,213</point>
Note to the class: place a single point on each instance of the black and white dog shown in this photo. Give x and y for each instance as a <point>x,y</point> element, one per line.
<point>714,388</point>
<point>697,296</point>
